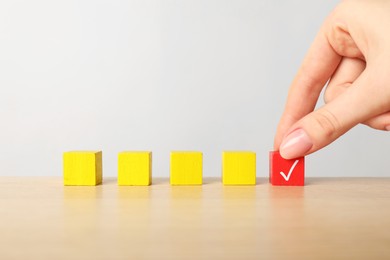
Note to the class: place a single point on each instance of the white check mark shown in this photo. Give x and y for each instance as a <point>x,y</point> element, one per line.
<point>290,172</point>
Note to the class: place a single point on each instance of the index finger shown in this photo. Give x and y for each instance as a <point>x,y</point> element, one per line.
<point>317,67</point>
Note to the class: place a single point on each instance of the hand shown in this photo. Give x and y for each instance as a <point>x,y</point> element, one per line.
<point>352,52</point>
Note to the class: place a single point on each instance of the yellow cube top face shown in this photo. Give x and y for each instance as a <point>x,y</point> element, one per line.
<point>135,168</point>
<point>239,168</point>
<point>186,168</point>
<point>82,168</point>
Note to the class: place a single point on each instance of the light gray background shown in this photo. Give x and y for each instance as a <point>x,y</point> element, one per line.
<point>205,75</point>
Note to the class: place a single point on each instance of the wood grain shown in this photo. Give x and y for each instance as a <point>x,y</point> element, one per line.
<point>330,218</point>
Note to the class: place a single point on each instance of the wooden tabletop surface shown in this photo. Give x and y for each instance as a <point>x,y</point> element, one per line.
<point>329,218</point>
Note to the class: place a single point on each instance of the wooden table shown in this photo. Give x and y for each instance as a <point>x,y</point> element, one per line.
<point>330,218</point>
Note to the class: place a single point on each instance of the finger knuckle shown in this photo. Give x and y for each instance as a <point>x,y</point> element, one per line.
<point>327,122</point>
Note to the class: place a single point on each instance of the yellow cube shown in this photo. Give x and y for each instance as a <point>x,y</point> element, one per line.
<point>135,168</point>
<point>82,168</point>
<point>186,168</point>
<point>239,168</point>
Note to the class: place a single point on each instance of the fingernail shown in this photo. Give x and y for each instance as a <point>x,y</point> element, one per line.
<point>388,128</point>
<point>295,145</point>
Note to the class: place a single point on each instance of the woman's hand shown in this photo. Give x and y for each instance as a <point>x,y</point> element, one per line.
<point>352,52</point>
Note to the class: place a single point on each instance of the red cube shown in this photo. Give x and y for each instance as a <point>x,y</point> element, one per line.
<point>284,172</point>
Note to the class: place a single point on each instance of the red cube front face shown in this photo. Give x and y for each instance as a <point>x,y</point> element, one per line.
<point>284,172</point>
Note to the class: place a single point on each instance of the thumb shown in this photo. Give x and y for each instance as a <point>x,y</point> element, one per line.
<point>321,127</point>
